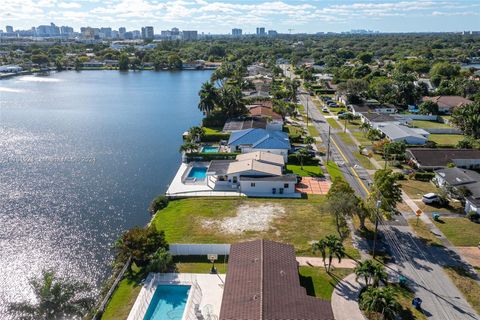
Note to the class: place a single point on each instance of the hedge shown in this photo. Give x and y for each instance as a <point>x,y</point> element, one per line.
<point>424,176</point>
<point>203,156</point>
<point>307,161</point>
<point>215,137</point>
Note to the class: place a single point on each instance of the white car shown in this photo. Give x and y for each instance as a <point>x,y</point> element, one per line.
<point>431,198</point>
<point>325,109</point>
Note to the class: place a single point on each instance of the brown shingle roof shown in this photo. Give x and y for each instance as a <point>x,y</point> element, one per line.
<point>449,102</point>
<point>263,284</point>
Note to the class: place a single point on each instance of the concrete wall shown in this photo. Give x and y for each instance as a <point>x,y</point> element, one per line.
<point>265,187</point>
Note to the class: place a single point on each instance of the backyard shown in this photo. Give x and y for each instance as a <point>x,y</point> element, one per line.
<point>306,171</point>
<point>460,231</point>
<point>446,139</point>
<point>429,124</point>
<point>229,220</point>
<point>319,283</point>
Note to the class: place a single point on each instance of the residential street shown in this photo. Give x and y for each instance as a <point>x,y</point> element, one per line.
<point>420,263</point>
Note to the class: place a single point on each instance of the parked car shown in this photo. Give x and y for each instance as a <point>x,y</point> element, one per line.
<point>325,109</point>
<point>432,198</point>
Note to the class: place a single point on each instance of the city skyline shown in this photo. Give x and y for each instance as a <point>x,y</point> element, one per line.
<point>221,16</point>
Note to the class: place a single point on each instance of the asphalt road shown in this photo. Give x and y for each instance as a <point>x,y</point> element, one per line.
<point>420,263</point>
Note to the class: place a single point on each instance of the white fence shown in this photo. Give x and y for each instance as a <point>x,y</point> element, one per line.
<point>199,249</point>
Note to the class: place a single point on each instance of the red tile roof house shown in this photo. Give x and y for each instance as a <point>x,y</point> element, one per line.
<point>263,283</point>
<point>446,104</point>
<point>264,112</point>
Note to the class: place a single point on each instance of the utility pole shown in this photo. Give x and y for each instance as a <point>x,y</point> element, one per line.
<point>307,109</point>
<point>328,145</point>
<point>377,213</point>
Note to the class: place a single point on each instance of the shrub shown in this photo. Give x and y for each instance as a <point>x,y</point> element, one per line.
<point>473,216</point>
<point>158,203</point>
<point>202,156</point>
<point>399,176</point>
<point>307,161</point>
<point>215,137</point>
<point>295,138</point>
<point>424,176</point>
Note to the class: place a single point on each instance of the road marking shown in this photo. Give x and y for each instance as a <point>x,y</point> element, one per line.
<point>350,168</point>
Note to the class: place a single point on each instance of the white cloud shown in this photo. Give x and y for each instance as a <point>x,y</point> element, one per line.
<point>69,5</point>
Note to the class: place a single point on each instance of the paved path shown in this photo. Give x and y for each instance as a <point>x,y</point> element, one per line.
<point>318,262</point>
<point>345,299</point>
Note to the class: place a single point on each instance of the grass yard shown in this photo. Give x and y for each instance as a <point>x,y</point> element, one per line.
<point>333,123</point>
<point>360,136</point>
<point>446,139</point>
<point>423,232</point>
<point>346,138</point>
<point>212,130</point>
<point>364,161</point>
<point>307,171</point>
<point>429,124</point>
<point>199,264</point>
<point>319,283</point>
<point>460,231</point>
<point>466,283</point>
<point>416,189</point>
<point>124,296</point>
<point>294,130</point>
<point>184,221</point>
<point>313,131</point>
<point>333,170</point>
<point>405,297</point>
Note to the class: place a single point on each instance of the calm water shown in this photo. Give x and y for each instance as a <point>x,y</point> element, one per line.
<point>81,156</point>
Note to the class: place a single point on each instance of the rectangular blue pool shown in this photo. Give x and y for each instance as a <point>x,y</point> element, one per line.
<point>168,303</point>
<point>199,173</point>
<point>210,149</point>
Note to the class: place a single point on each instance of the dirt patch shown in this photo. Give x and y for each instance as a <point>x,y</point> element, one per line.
<point>249,218</point>
<point>471,254</point>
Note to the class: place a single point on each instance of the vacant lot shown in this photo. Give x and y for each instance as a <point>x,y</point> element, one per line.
<point>297,222</point>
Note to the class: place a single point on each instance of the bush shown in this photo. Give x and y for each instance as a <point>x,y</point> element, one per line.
<point>399,176</point>
<point>158,203</point>
<point>424,176</point>
<point>202,156</point>
<point>473,216</point>
<point>295,138</point>
<point>215,137</point>
<point>307,161</point>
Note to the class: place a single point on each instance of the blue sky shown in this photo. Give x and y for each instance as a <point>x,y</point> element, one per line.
<point>220,16</point>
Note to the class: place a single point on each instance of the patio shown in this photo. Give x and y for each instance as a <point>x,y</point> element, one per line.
<point>310,185</point>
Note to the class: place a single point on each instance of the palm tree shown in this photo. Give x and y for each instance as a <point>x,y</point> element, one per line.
<point>301,155</point>
<point>231,101</point>
<point>195,134</point>
<point>381,300</point>
<point>56,299</point>
<point>208,98</point>
<point>372,272</point>
<point>189,147</point>
<point>308,140</point>
<point>332,245</point>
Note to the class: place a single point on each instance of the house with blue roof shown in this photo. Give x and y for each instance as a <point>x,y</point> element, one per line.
<point>251,140</point>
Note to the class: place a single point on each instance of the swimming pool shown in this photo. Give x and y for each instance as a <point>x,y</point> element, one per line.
<point>168,303</point>
<point>199,173</point>
<point>210,149</point>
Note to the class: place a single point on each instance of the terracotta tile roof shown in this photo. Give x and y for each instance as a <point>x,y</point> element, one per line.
<point>261,111</point>
<point>263,284</point>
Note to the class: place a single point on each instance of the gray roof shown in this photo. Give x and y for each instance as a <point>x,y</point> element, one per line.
<point>395,132</point>
<point>244,123</point>
<point>469,179</point>
<point>437,158</point>
<point>379,117</point>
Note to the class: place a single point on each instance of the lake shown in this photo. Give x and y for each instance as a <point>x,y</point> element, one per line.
<point>81,156</point>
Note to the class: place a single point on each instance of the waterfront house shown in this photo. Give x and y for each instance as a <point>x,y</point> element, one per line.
<point>243,123</point>
<point>249,140</point>
<point>93,64</point>
<point>396,133</point>
<point>262,282</point>
<point>446,104</point>
<point>461,183</point>
<point>10,69</point>
<point>431,159</point>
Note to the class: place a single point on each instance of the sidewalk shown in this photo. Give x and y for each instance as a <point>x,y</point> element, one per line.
<point>318,262</point>
<point>345,299</point>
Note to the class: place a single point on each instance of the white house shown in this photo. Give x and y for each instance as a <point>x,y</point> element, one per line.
<point>454,179</point>
<point>395,132</point>
<point>250,140</point>
<point>255,173</point>
<point>10,69</point>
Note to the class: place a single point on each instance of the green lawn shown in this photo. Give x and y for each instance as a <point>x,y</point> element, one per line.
<point>212,130</point>
<point>333,123</point>
<point>416,189</point>
<point>304,220</point>
<point>429,124</point>
<point>319,283</point>
<point>364,161</point>
<point>294,130</point>
<point>446,139</point>
<point>360,136</point>
<point>346,138</point>
<point>312,130</point>
<point>465,282</point>
<point>307,171</point>
<point>423,232</point>
<point>124,296</point>
<point>460,231</point>
<point>333,170</point>
<point>199,264</point>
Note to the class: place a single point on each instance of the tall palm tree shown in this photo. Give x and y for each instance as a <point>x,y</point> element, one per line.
<point>372,272</point>
<point>56,299</point>
<point>208,98</point>
<point>231,101</point>
<point>331,246</point>
<point>189,147</point>
<point>195,134</point>
<point>381,300</point>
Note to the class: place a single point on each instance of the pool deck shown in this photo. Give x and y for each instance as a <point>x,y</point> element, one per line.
<point>211,287</point>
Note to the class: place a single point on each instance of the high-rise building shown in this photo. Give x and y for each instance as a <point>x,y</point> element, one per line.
<point>272,33</point>
<point>105,33</point>
<point>175,31</point>
<point>66,31</point>
<point>121,32</point>
<point>9,29</point>
<point>189,35</point>
<point>136,34</point>
<point>147,33</point>
<point>236,32</point>
<point>260,31</point>
<point>48,30</point>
